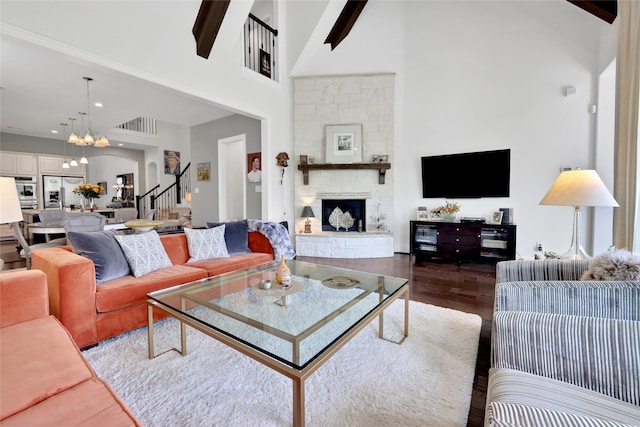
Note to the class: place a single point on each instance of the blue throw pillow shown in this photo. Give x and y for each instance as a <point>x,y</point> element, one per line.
<point>101,248</point>
<point>236,236</point>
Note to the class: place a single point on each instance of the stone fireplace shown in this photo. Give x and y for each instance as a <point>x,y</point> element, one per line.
<point>320,101</point>
<point>354,211</point>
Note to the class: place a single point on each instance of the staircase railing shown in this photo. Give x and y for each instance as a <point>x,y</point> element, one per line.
<point>168,198</point>
<point>144,202</point>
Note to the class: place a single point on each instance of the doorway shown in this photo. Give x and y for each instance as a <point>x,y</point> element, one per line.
<point>232,187</point>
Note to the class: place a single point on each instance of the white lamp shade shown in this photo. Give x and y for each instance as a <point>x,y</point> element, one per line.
<point>84,160</point>
<point>579,188</point>
<point>10,208</point>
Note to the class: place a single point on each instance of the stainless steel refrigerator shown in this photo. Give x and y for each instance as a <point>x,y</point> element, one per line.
<point>58,191</point>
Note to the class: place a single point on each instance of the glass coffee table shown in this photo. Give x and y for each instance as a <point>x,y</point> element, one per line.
<point>292,331</point>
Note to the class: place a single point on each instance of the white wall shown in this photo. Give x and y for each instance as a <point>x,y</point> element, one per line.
<point>479,76</point>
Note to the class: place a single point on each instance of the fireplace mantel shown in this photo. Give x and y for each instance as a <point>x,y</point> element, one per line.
<point>381,167</point>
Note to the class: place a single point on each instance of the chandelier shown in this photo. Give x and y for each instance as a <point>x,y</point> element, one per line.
<point>91,137</point>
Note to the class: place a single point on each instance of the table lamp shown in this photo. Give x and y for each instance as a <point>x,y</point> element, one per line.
<point>578,188</point>
<point>307,213</point>
<point>11,213</point>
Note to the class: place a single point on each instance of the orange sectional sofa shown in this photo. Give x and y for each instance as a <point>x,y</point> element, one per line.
<point>94,312</point>
<point>45,379</point>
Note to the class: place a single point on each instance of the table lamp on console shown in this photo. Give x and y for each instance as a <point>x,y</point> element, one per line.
<point>578,188</point>
<point>307,213</point>
<point>11,213</point>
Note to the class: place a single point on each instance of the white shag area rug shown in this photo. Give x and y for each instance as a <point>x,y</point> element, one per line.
<point>425,381</point>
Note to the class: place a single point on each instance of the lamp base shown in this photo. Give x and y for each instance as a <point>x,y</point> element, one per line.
<point>576,251</point>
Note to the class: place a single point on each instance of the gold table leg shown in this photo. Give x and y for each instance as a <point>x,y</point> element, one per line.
<point>406,320</point>
<point>150,331</point>
<point>150,343</point>
<point>298,402</point>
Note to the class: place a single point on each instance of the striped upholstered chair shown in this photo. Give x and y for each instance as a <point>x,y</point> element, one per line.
<point>564,352</point>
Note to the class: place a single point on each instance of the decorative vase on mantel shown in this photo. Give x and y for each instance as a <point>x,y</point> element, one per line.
<point>282,270</point>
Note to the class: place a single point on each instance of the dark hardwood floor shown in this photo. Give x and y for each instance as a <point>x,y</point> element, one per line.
<point>466,287</point>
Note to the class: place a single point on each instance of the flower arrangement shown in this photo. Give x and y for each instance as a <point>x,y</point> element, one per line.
<point>89,191</point>
<point>449,208</point>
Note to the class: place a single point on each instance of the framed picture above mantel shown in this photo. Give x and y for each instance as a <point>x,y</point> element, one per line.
<point>343,143</point>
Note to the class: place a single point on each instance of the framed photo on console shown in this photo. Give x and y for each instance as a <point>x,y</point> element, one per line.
<point>496,218</point>
<point>343,143</point>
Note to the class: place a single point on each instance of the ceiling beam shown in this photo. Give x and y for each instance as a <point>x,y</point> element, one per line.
<point>208,22</point>
<point>345,22</point>
<point>607,10</point>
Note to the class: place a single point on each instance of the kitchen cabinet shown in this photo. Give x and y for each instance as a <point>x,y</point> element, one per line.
<point>52,165</point>
<point>26,165</point>
<point>17,164</point>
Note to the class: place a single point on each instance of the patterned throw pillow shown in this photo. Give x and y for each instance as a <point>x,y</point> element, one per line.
<point>144,252</point>
<point>207,243</point>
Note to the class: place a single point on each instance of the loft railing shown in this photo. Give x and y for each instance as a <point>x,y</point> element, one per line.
<point>140,124</point>
<point>260,47</point>
<point>168,199</point>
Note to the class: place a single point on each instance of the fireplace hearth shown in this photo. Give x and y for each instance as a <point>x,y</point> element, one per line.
<point>351,208</point>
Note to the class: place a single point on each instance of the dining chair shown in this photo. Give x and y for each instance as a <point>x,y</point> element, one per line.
<point>125,214</point>
<point>46,216</point>
<point>84,222</point>
<point>52,215</point>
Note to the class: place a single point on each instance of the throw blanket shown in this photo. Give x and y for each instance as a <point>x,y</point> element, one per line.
<point>277,235</point>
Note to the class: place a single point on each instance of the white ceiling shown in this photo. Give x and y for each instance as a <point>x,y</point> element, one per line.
<point>42,88</point>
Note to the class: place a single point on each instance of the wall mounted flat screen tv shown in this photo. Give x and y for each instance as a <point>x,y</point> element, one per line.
<point>467,175</point>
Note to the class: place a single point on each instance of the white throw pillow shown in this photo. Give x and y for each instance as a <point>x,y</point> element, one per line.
<point>206,243</point>
<point>144,252</point>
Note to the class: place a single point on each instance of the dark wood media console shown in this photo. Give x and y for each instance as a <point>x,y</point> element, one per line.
<point>463,241</point>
